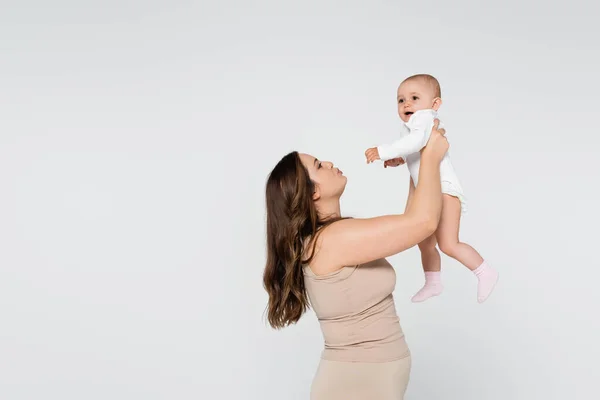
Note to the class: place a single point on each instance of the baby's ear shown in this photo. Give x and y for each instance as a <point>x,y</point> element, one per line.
<point>437,102</point>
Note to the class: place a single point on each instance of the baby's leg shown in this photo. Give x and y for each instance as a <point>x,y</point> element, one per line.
<point>430,258</point>
<point>449,243</point>
<point>447,235</point>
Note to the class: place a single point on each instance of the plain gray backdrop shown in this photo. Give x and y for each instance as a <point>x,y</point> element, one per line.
<point>135,141</point>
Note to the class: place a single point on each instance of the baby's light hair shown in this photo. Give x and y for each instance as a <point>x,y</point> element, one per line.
<point>429,80</point>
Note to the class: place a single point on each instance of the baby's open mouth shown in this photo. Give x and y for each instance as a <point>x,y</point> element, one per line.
<point>408,113</point>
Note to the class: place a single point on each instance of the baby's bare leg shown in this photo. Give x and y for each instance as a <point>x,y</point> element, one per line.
<point>430,258</point>
<point>449,243</point>
<point>447,235</point>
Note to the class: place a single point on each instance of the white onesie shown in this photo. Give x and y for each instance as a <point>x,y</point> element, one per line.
<point>414,136</point>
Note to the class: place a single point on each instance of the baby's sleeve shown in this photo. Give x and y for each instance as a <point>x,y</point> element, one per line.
<point>420,126</point>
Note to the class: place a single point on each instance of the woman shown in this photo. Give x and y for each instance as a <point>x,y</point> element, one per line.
<point>338,264</point>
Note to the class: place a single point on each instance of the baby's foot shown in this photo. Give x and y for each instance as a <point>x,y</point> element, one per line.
<point>487,278</point>
<point>427,291</point>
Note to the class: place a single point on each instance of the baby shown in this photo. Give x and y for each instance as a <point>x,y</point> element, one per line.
<point>419,98</point>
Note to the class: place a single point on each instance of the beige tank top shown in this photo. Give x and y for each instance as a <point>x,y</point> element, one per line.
<point>356,311</point>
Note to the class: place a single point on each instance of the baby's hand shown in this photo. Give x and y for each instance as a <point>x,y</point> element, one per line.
<point>372,154</point>
<point>394,162</point>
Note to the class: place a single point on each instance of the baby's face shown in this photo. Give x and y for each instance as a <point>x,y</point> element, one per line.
<point>414,95</point>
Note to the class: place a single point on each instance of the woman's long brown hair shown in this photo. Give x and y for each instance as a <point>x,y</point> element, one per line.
<point>292,221</point>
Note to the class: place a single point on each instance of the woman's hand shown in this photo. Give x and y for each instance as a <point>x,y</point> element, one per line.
<point>437,145</point>
<point>394,162</point>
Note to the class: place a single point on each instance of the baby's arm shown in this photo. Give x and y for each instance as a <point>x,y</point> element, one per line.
<point>420,128</point>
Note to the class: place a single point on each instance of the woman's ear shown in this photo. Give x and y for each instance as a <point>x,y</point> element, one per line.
<point>316,194</point>
<point>437,102</point>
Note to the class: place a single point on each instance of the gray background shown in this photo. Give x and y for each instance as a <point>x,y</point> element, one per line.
<point>135,140</point>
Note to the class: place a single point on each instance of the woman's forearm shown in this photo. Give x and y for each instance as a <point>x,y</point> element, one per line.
<point>427,198</point>
<point>411,194</point>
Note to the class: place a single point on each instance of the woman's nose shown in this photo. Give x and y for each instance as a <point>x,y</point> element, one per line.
<point>329,164</point>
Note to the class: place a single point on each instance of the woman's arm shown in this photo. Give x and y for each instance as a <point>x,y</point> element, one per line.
<point>411,193</point>
<point>357,241</point>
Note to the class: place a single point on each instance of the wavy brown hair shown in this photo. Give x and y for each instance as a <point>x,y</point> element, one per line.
<point>292,221</point>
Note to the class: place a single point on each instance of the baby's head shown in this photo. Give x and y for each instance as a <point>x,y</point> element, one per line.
<point>418,92</point>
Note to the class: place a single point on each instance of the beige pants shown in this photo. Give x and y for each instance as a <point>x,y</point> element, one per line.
<point>336,380</point>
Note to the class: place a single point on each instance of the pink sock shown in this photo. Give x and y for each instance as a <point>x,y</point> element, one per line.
<point>487,278</point>
<point>433,287</point>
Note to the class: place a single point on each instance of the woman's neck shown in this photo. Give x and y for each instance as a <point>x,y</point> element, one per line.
<point>329,210</point>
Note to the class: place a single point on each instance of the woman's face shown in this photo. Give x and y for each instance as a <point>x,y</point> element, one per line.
<point>330,181</point>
